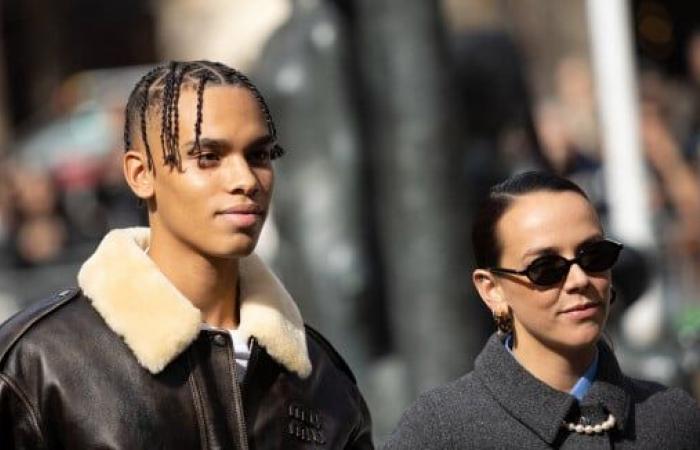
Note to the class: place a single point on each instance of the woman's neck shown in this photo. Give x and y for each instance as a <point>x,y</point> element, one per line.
<point>210,284</point>
<point>558,368</point>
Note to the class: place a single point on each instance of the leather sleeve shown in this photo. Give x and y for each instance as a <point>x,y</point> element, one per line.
<point>19,425</point>
<point>362,436</point>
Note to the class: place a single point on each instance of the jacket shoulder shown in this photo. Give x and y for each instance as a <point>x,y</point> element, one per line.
<point>330,351</point>
<point>448,416</point>
<point>16,326</point>
<point>450,397</point>
<point>660,407</point>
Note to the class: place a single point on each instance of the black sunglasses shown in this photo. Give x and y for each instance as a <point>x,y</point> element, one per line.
<point>551,269</point>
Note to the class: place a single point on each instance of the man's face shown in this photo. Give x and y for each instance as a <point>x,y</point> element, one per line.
<point>217,204</point>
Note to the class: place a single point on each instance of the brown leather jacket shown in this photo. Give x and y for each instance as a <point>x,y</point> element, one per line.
<point>80,372</point>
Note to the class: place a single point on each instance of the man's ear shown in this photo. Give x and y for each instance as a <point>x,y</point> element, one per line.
<point>137,174</point>
<point>489,291</point>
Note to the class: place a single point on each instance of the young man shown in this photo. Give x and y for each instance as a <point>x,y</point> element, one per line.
<point>178,337</point>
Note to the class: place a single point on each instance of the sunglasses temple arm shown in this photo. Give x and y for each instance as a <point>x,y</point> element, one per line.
<point>511,271</point>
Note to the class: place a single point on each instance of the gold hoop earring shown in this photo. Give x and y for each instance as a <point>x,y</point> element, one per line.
<point>504,323</point>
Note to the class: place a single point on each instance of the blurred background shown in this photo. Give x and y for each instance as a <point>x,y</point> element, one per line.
<point>397,116</point>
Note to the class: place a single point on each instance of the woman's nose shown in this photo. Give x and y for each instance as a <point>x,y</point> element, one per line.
<point>576,278</point>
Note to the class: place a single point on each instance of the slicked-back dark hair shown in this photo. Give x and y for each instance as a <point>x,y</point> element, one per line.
<point>485,242</point>
<point>159,90</point>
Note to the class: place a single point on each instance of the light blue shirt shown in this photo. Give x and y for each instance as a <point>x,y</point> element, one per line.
<point>583,384</point>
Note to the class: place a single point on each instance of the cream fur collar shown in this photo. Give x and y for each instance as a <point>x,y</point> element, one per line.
<point>157,322</point>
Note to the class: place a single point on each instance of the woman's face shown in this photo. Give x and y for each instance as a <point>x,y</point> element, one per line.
<point>572,313</point>
<point>217,204</point>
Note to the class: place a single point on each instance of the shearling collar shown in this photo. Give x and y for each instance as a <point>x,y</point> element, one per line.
<point>540,407</point>
<point>157,322</point>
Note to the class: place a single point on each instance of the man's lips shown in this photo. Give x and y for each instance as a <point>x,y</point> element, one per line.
<point>242,215</point>
<point>248,208</point>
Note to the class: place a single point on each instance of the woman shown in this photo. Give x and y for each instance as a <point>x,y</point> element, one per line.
<point>179,337</point>
<point>546,379</point>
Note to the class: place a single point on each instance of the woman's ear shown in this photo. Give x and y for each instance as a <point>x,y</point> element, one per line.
<point>137,174</point>
<point>489,291</point>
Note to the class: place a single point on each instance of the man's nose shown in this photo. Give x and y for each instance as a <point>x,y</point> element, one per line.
<point>240,178</point>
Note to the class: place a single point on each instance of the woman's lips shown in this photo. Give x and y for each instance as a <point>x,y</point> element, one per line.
<point>584,311</point>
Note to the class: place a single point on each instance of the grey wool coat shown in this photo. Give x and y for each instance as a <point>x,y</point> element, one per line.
<point>499,405</point>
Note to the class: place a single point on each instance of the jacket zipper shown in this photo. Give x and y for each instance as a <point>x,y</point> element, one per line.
<point>237,401</point>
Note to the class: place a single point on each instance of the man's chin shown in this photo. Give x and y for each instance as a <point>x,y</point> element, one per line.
<point>243,247</point>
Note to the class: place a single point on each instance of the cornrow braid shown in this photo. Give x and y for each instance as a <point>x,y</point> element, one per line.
<point>137,106</point>
<point>176,119</point>
<point>200,103</point>
<point>132,104</point>
<point>159,90</point>
<point>170,153</point>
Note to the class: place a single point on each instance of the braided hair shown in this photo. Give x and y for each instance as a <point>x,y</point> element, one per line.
<point>160,89</point>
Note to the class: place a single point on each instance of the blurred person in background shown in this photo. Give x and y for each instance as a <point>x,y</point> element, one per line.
<point>678,188</point>
<point>6,215</point>
<point>39,232</point>
<point>566,121</point>
<point>546,379</point>
<point>8,304</point>
<point>692,140</point>
<point>180,327</point>
<point>566,126</point>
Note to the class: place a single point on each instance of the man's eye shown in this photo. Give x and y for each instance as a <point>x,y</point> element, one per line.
<point>259,156</point>
<point>207,159</point>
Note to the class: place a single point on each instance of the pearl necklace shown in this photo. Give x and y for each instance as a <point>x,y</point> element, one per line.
<point>591,429</point>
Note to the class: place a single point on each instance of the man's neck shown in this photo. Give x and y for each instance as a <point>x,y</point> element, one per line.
<point>209,283</point>
<point>557,368</point>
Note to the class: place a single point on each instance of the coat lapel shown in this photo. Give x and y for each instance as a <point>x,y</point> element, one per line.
<point>525,398</point>
<point>540,407</point>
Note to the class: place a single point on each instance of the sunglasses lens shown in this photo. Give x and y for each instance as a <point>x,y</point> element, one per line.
<point>552,269</point>
<point>547,270</point>
<point>599,256</point>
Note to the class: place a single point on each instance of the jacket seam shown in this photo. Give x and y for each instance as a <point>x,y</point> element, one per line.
<point>239,416</point>
<point>197,401</point>
<point>24,399</point>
